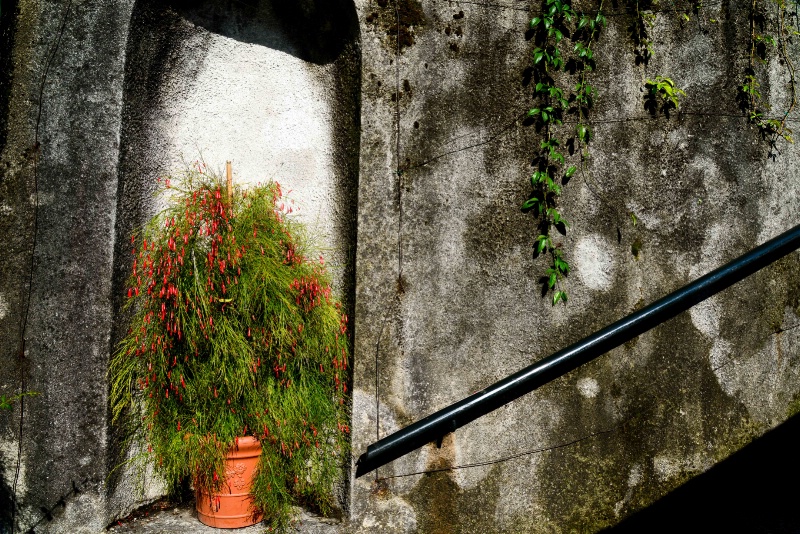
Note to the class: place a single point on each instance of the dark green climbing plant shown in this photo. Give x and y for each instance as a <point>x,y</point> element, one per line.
<point>557,25</point>
<point>762,45</point>
<point>562,60</point>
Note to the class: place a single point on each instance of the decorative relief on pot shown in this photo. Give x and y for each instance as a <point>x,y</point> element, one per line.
<point>235,477</point>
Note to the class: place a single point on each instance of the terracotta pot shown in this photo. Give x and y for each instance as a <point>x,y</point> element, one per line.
<point>232,507</point>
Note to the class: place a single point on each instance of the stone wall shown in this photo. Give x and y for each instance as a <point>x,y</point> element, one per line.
<point>104,96</point>
<point>58,193</point>
<point>448,297</point>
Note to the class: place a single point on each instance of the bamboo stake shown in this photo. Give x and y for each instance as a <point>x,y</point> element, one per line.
<point>229,174</point>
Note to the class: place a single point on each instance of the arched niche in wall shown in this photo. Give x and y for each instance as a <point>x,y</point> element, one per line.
<point>272,85</point>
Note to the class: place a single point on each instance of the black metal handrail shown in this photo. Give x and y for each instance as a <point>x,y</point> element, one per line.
<point>436,426</point>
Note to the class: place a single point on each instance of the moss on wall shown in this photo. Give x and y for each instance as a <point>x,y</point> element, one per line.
<point>400,20</point>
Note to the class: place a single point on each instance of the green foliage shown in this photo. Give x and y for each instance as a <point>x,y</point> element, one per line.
<point>564,46</point>
<point>666,91</point>
<point>7,403</point>
<point>558,24</point>
<point>234,332</point>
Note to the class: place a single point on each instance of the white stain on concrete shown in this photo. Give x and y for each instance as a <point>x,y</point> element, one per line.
<point>764,380</point>
<point>705,317</point>
<point>667,467</point>
<point>3,307</point>
<point>722,363</point>
<point>635,476</point>
<point>8,460</point>
<point>634,479</point>
<point>588,387</point>
<point>593,262</point>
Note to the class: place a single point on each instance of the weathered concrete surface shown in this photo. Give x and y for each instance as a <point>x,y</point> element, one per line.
<point>447,295</point>
<point>122,95</point>
<point>448,299</point>
<point>183,518</point>
<point>64,249</point>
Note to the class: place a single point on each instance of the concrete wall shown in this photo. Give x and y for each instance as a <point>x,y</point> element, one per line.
<point>219,81</point>
<point>130,89</point>
<point>444,285</point>
<point>448,299</point>
<point>58,196</point>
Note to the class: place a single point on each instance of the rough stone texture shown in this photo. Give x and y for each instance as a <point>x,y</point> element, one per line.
<point>183,518</point>
<point>446,296</point>
<point>120,78</point>
<point>75,110</point>
<point>448,299</point>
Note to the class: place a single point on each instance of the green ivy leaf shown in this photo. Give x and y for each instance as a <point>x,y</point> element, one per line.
<point>551,281</point>
<point>541,244</point>
<point>535,22</point>
<point>583,132</point>
<point>531,202</point>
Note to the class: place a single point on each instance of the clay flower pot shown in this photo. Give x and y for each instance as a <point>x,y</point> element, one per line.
<point>232,506</point>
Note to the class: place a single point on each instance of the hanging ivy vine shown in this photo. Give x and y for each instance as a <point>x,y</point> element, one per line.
<point>562,60</point>
<point>762,45</point>
<point>558,23</point>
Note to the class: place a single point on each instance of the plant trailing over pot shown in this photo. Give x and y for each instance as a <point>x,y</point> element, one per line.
<point>234,333</point>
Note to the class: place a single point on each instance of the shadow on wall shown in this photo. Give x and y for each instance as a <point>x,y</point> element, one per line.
<point>752,491</point>
<point>8,17</point>
<point>314,31</point>
<point>273,85</point>
<point>6,500</point>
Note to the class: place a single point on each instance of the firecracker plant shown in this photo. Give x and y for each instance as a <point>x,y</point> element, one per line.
<point>234,332</point>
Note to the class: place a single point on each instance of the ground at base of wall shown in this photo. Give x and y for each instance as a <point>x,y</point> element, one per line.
<point>168,518</point>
